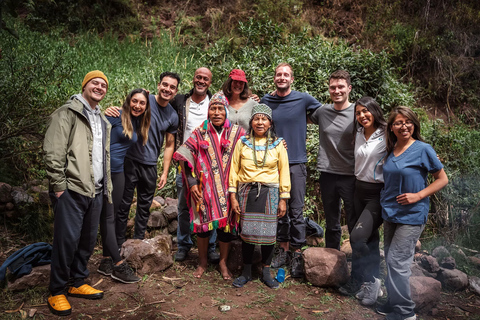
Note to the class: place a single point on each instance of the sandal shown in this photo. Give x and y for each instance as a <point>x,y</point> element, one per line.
<point>271,283</point>
<point>241,281</point>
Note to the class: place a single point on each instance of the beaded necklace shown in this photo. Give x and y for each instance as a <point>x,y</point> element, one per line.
<point>257,164</point>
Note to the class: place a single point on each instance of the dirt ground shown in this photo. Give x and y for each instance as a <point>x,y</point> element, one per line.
<point>176,294</point>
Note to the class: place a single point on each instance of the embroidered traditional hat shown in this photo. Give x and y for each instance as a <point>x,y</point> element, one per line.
<point>263,109</point>
<point>239,75</point>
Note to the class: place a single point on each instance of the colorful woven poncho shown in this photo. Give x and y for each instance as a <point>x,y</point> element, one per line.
<point>210,161</point>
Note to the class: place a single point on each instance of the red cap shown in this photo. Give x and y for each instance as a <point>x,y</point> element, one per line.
<point>238,75</point>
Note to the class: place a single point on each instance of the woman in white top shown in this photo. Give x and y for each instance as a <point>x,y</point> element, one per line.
<point>370,149</point>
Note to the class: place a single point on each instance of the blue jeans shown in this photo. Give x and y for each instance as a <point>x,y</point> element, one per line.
<point>184,239</point>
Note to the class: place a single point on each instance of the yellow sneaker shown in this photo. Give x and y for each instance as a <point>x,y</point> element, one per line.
<point>86,292</point>
<point>59,305</point>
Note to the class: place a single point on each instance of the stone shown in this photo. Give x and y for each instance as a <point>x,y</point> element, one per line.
<point>159,200</point>
<point>346,248</point>
<point>429,263</point>
<point>425,292</point>
<point>418,246</point>
<point>345,230</point>
<point>172,226</point>
<point>171,202</point>
<point>170,212</point>
<point>448,263</point>
<point>148,255</point>
<point>419,271</point>
<point>157,220</point>
<point>453,280</point>
<point>440,252</point>
<point>155,205</point>
<point>475,261</point>
<point>325,267</point>
<point>313,241</point>
<point>39,277</point>
<point>459,252</point>
<point>20,196</point>
<point>474,284</point>
<point>5,192</point>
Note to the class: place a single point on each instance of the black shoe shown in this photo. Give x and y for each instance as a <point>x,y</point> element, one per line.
<point>241,281</point>
<point>213,257</point>
<point>106,266</point>
<point>384,309</point>
<point>181,255</point>
<point>297,265</point>
<point>281,258</point>
<point>271,283</point>
<point>351,288</point>
<point>124,273</point>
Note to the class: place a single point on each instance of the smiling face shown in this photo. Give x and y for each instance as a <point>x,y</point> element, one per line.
<point>364,117</point>
<point>237,87</point>
<point>94,91</point>
<point>202,81</point>
<point>339,91</point>
<point>167,88</point>
<point>260,124</point>
<point>217,114</point>
<point>138,104</point>
<point>403,128</point>
<point>283,79</point>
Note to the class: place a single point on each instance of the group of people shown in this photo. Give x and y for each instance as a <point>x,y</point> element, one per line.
<point>241,172</point>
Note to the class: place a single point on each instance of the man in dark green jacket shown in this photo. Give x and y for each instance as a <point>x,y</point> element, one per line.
<point>77,155</point>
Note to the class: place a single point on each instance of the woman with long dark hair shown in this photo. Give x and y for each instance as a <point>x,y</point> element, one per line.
<point>405,205</point>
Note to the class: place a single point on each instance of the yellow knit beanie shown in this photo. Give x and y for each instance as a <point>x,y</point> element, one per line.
<point>94,74</point>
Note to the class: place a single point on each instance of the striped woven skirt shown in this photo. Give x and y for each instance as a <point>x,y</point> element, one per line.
<point>258,220</point>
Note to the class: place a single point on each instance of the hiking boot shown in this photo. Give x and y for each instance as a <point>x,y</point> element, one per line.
<point>59,305</point>
<point>85,291</point>
<point>281,258</point>
<point>181,255</point>
<point>124,273</point>
<point>351,288</point>
<point>297,265</point>
<point>384,309</point>
<point>213,257</point>
<point>371,291</point>
<point>360,294</point>
<point>106,266</point>
<point>398,316</point>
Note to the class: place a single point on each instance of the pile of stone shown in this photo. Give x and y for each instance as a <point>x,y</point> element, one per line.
<point>163,215</point>
<point>13,198</point>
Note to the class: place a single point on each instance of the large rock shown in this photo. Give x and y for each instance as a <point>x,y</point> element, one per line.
<point>425,292</point>
<point>429,263</point>
<point>440,252</point>
<point>346,248</point>
<point>20,196</point>
<point>157,220</point>
<point>474,284</point>
<point>5,192</point>
<point>172,227</point>
<point>170,212</point>
<point>419,271</point>
<point>149,255</point>
<point>171,202</point>
<point>39,277</point>
<point>448,263</point>
<point>325,267</point>
<point>155,205</point>
<point>159,200</point>
<point>454,280</point>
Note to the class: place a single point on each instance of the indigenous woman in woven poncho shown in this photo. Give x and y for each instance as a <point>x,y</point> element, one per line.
<point>205,158</point>
<point>259,186</point>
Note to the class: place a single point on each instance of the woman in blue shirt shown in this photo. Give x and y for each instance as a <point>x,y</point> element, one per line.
<point>133,124</point>
<point>405,205</point>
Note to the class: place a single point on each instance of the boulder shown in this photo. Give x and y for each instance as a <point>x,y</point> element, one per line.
<point>148,255</point>
<point>39,277</point>
<point>448,263</point>
<point>440,252</point>
<point>325,267</point>
<point>474,284</point>
<point>171,202</point>
<point>159,200</point>
<point>170,212</point>
<point>157,220</point>
<point>20,196</point>
<point>172,226</point>
<point>5,192</point>
<point>454,280</point>
<point>417,270</point>
<point>346,248</point>
<point>425,292</point>
<point>429,263</point>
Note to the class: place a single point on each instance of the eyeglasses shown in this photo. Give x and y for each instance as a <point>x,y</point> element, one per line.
<point>398,125</point>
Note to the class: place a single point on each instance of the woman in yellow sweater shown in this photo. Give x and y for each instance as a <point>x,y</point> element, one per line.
<point>259,185</point>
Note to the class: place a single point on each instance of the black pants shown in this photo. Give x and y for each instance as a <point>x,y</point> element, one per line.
<point>336,187</point>
<point>248,249</point>
<point>144,178</point>
<point>74,237</point>
<point>365,237</point>
<point>107,219</point>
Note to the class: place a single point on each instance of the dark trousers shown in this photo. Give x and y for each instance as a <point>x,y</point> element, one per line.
<point>291,227</point>
<point>144,178</point>
<point>107,219</point>
<point>248,249</point>
<point>365,237</point>
<point>74,237</point>
<point>336,187</point>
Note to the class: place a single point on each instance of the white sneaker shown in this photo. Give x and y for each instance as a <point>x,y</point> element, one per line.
<point>371,291</point>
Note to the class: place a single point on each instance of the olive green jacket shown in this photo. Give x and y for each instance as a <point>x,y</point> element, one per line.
<point>68,151</point>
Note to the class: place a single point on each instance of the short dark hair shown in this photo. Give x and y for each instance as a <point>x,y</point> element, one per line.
<point>170,75</point>
<point>340,74</point>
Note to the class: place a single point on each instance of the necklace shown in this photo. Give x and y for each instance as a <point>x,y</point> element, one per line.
<point>258,164</point>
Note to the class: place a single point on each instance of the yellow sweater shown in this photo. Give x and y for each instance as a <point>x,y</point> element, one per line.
<point>276,169</point>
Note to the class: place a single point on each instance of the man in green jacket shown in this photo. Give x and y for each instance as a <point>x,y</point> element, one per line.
<point>77,155</point>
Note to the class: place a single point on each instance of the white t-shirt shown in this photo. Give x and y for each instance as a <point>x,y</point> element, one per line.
<point>369,156</point>
<point>197,113</point>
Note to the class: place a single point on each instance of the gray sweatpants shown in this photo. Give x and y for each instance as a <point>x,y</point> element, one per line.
<point>400,241</point>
